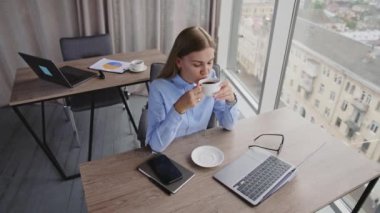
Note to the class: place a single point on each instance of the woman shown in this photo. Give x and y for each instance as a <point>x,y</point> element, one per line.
<point>177,106</point>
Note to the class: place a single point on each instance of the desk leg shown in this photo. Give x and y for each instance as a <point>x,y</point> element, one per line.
<point>147,86</point>
<point>128,110</point>
<point>91,128</point>
<point>43,123</point>
<point>42,144</point>
<point>365,194</point>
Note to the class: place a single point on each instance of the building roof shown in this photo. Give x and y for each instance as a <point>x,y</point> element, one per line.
<point>350,54</point>
<point>317,16</point>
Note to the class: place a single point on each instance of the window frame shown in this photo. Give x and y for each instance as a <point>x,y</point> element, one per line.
<point>283,24</point>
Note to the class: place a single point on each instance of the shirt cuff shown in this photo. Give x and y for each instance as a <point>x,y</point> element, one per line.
<point>232,103</point>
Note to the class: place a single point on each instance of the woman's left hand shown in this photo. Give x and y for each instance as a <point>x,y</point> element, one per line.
<point>225,92</point>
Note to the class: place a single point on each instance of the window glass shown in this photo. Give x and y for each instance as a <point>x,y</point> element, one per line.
<point>374,127</point>
<point>344,105</point>
<point>338,122</point>
<point>316,103</point>
<point>340,41</point>
<point>321,51</point>
<point>347,86</point>
<point>254,29</point>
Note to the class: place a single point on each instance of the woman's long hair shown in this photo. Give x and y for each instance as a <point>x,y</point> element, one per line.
<point>190,40</point>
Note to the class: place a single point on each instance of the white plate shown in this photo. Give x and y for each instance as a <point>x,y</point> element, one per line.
<point>207,156</point>
<point>133,70</point>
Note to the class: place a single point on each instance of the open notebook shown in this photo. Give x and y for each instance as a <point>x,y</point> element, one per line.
<point>110,65</point>
<point>256,175</point>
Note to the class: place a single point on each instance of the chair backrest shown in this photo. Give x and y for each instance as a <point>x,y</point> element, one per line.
<point>216,67</point>
<point>155,69</point>
<point>85,47</point>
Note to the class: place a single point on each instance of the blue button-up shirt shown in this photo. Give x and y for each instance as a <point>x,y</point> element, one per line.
<point>165,123</point>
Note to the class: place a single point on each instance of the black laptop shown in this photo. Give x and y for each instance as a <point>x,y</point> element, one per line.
<point>45,69</point>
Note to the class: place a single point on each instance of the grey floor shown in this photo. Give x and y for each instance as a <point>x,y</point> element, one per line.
<point>28,180</point>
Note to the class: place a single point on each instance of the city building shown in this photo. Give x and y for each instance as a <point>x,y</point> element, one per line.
<point>336,88</point>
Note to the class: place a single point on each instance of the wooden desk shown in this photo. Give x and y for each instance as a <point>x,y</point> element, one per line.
<point>28,88</point>
<point>114,185</point>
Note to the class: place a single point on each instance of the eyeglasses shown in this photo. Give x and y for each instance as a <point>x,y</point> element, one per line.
<point>267,148</point>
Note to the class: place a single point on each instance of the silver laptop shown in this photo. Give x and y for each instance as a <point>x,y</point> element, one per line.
<point>256,175</point>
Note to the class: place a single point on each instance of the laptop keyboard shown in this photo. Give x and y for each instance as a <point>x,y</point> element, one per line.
<point>74,75</point>
<point>262,177</point>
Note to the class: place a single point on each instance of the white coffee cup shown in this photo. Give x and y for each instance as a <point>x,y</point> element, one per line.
<point>210,86</point>
<point>137,65</point>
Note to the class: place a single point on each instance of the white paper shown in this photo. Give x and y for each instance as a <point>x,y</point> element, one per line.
<point>110,65</point>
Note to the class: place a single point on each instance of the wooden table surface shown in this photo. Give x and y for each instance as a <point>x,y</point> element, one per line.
<point>28,88</point>
<point>113,184</point>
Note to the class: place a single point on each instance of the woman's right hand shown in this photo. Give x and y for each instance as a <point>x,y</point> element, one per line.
<point>189,99</point>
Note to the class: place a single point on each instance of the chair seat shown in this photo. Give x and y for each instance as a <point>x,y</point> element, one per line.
<point>102,98</point>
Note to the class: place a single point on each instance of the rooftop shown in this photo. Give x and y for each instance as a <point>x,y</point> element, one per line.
<point>348,53</point>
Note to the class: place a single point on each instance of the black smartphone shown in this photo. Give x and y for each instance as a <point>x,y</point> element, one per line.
<point>165,170</point>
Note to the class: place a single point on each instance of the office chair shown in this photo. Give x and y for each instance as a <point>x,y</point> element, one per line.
<point>84,47</point>
<point>155,70</point>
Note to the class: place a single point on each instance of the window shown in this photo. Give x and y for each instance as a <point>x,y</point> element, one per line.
<point>362,97</point>
<point>368,99</point>
<point>374,127</point>
<point>347,86</point>
<point>316,103</point>
<point>321,88</point>
<point>291,82</point>
<point>327,112</point>
<point>250,32</point>
<point>352,90</point>
<point>339,81</point>
<point>344,105</point>
<point>332,95</point>
<point>310,32</point>
<point>313,38</point>
<point>364,147</point>
<point>357,116</point>
<point>338,122</point>
<point>303,112</point>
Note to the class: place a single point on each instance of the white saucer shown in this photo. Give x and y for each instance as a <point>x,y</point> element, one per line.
<point>133,70</point>
<point>207,156</point>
